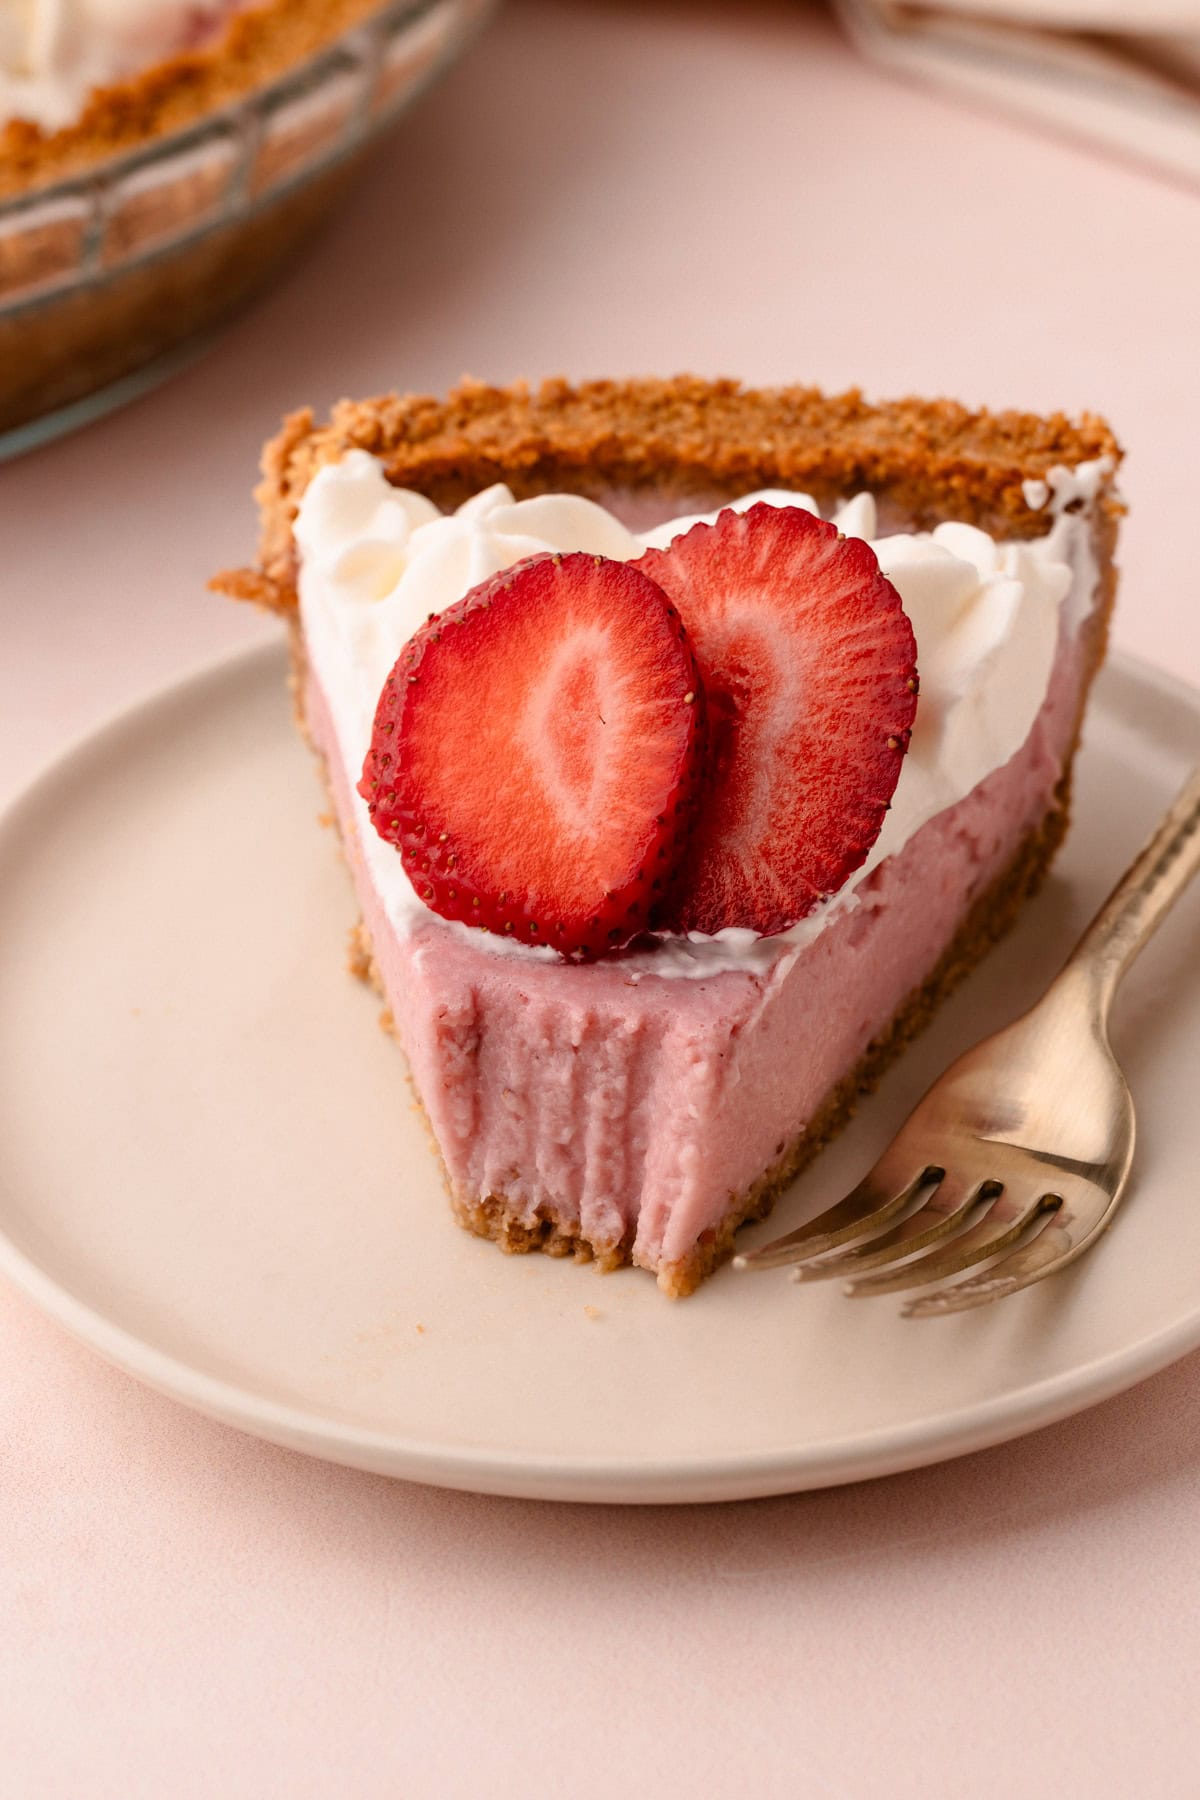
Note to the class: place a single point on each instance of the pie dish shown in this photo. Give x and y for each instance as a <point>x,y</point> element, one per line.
<point>179,186</point>
<point>639,1108</point>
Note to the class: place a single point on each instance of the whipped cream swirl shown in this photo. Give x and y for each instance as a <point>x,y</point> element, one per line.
<point>377,560</point>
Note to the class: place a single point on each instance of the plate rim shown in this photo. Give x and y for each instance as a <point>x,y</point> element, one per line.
<point>693,1477</point>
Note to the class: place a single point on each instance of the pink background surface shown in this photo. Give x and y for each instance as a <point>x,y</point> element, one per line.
<point>607,189</point>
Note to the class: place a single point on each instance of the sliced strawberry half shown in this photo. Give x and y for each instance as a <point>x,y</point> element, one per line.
<point>809,666</point>
<point>535,754</point>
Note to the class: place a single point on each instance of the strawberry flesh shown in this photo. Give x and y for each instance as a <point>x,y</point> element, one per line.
<point>808,662</point>
<point>536,751</point>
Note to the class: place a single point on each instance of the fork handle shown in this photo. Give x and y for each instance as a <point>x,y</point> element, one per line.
<point>1142,898</point>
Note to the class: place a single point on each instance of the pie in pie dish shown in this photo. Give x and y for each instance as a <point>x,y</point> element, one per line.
<point>660,856</point>
<point>160,160</point>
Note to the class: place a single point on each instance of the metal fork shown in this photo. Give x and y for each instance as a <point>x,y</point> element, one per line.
<point>1024,1144</point>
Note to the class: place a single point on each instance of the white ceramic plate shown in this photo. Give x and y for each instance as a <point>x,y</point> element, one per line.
<point>211,1172</point>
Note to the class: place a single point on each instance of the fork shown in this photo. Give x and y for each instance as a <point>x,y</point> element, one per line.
<point>1025,1143</point>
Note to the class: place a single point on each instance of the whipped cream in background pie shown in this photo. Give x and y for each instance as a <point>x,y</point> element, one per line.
<point>54,52</point>
<point>988,617</point>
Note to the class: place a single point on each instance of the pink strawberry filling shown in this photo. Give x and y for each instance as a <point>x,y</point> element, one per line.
<point>636,1111</point>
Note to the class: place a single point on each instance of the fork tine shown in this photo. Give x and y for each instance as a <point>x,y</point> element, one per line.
<point>937,1219</point>
<point>972,1246</point>
<point>865,1208</point>
<point>1032,1261</point>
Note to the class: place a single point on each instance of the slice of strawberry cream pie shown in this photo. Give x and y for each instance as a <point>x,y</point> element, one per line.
<point>687,744</point>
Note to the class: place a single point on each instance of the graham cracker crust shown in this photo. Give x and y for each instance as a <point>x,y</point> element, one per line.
<point>926,460</point>
<point>681,439</point>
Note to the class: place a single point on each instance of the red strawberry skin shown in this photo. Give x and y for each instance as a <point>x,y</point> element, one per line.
<point>808,662</point>
<point>536,753</point>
